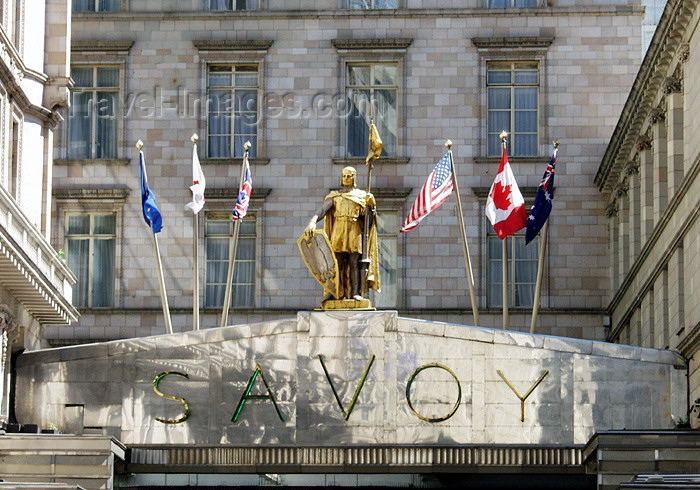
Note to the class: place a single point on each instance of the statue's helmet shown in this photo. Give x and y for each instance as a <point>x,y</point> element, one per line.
<point>349,177</point>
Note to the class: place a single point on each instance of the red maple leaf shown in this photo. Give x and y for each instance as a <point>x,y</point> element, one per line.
<point>501,196</point>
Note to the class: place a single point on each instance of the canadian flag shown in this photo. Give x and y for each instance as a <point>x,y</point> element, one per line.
<point>505,207</point>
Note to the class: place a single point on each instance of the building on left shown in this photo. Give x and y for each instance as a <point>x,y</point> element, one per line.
<point>35,283</point>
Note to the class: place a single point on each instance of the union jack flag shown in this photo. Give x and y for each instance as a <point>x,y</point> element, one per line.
<point>435,191</point>
<point>543,202</point>
<point>246,189</point>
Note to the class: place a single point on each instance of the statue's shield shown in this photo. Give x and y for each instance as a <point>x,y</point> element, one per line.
<point>320,259</point>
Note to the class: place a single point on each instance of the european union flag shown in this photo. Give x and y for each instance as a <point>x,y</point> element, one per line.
<point>543,202</point>
<point>151,213</point>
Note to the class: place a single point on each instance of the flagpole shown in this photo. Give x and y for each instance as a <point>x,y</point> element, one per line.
<point>540,265</point>
<point>195,252</point>
<point>159,265</point>
<point>161,283</point>
<point>504,264</point>
<point>233,245</point>
<point>465,245</point>
<point>540,270</point>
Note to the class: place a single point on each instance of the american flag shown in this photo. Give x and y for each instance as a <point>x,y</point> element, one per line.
<point>246,189</point>
<point>435,191</point>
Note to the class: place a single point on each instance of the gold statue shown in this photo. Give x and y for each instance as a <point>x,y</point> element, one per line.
<point>350,225</point>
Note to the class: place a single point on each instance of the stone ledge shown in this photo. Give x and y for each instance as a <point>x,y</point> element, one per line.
<point>387,458</point>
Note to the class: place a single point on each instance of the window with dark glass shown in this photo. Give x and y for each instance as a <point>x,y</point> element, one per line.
<point>232,110</point>
<point>219,231</point>
<point>372,4</point>
<point>90,240</point>
<point>522,270</point>
<point>96,5</point>
<point>388,237</point>
<point>92,119</point>
<point>513,107</point>
<point>372,91</point>
<point>230,4</point>
<point>494,4</point>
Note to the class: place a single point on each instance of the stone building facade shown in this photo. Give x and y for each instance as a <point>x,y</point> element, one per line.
<point>650,177</point>
<point>435,70</point>
<point>35,284</point>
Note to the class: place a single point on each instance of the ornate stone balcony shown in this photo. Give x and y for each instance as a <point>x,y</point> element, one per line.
<point>31,270</point>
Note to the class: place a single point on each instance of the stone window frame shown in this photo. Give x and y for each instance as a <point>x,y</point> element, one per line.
<point>94,200</point>
<point>393,200</point>
<point>123,7</point>
<point>97,54</point>
<point>222,200</point>
<point>233,52</point>
<point>512,49</point>
<point>354,51</point>
<point>205,5</point>
<point>538,4</point>
<point>345,4</point>
<point>486,231</point>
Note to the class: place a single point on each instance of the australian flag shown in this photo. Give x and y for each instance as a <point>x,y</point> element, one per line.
<point>151,213</point>
<point>543,202</point>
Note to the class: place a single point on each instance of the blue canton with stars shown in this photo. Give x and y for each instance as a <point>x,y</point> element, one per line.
<point>442,171</point>
<point>543,203</point>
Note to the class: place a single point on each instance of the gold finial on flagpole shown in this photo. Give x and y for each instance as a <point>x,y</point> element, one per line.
<point>194,139</point>
<point>247,145</point>
<point>139,145</point>
<point>448,144</point>
<point>504,135</point>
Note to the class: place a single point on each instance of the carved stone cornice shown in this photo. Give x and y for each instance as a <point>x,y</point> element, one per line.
<point>233,45</point>
<point>657,115</point>
<point>672,85</point>
<point>620,189</point>
<point>632,167</point>
<point>611,210</point>
<point>540,42</point>
<point>684,53</point>
<point>643,142</point>
<point>94,193</point>
<point>390,43</point>
<point>101,45</point>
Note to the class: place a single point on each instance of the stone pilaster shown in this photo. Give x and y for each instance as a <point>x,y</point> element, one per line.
<point>646,203</point>
<point>623,230</point>
<point>676,295</point>
<point>633,196</point>
<point>9,334</point>
<point>660,319</point>
<point>660,172</point>
<point>611,213</point>
<point>647,320</point>
<point>674,125</point>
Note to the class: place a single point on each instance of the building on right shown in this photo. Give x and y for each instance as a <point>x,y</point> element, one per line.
<point>649,174</point>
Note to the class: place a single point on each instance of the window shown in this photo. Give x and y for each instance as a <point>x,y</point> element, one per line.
<point>92,120</point>
<point>377,83</point>
<point>372,4</point>
<point>512,106</point>
<point>232,110</point>
<point>96,5</point>
<point>14,159</point>
<point>387,235</point>
<point>522,270</point>
<point>495,4</point>
<point>230,4</point>
<point>90,251</point>
<point>219,230</point>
